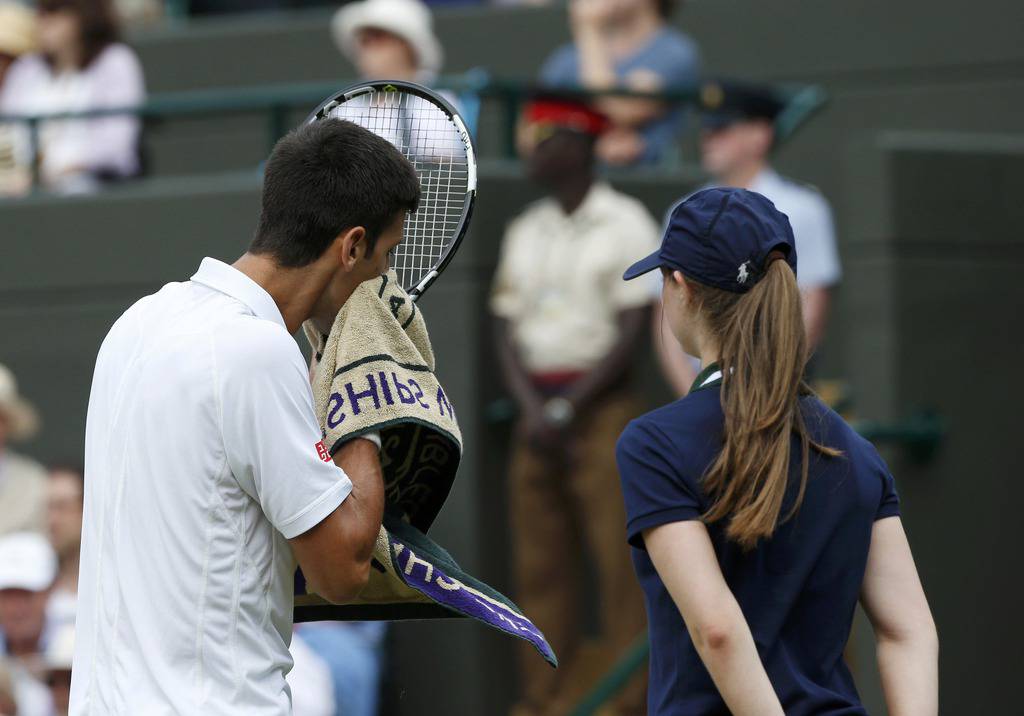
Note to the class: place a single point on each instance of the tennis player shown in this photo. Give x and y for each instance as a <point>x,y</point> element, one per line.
<point>206,474</point>
<point>758,517</point>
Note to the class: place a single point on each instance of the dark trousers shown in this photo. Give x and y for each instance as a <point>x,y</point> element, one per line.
<point>559,507</point>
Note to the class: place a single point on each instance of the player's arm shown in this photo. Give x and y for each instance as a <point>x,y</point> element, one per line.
<point>632,323</point>
<point>685,559</point>
<point>335,554</point>
<point>273,446</point>
<point>907,641</point>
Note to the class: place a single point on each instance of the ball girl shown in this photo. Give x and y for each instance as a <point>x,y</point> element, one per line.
<point>758,518</point>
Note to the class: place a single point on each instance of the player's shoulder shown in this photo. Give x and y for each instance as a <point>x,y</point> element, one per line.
<point>245,340</point>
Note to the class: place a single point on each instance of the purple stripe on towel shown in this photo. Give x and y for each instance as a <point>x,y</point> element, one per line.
<point>424,576</point>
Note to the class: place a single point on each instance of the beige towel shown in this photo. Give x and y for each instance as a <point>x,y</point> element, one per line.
<point>375,372</point>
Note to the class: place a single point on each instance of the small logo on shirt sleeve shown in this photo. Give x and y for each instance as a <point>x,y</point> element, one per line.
<point>321,450</point>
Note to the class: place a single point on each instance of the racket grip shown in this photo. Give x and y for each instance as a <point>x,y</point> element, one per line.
<point>419,288</point>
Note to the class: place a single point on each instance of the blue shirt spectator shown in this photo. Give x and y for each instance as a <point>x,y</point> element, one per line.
<point>630,47</point>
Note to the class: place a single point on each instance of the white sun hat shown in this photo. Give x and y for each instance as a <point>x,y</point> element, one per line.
<point>27,562</point>
<point>23,419</point>
<point>409,19</point>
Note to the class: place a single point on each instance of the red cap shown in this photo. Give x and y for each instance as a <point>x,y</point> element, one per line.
<point>566,113</point>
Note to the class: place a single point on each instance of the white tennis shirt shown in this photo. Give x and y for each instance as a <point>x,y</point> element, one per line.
<point>202,457</point>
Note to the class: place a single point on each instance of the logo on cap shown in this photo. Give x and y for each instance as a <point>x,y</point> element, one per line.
<point>743,275</point>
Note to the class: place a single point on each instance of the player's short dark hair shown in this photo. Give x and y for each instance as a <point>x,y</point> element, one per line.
<point>324,178</point>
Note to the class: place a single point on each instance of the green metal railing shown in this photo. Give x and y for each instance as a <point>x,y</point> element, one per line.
<point>278,101</point>
<point>616,679</point>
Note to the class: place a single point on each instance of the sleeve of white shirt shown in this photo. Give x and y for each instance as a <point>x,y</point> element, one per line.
<point>816,252</point>
<point>639,237</point>
<point>271,437</point>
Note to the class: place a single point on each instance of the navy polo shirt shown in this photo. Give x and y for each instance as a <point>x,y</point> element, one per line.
<point>798,590</point>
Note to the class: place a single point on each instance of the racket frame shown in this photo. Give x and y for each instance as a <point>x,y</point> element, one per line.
<point>336,99</point>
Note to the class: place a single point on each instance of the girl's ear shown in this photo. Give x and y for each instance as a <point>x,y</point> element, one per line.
<point>685,292</point>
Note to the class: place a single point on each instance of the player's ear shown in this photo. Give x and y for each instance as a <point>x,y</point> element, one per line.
<point>352,247</point>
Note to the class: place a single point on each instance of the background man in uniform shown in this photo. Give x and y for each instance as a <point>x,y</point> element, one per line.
<point>567,328</point>
<point>737,138</point>
<point>206,475</point>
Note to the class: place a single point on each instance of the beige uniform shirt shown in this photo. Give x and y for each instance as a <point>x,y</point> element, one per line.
<point>559,279</point>
<point>22,494</point>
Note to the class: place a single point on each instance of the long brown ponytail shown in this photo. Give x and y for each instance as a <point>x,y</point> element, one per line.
<point>762,354</point>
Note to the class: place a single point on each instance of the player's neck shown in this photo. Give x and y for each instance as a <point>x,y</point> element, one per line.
<point>294,290</point>
<point>744,175</point>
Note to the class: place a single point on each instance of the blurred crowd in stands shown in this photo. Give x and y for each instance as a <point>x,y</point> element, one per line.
<point>567,370</point>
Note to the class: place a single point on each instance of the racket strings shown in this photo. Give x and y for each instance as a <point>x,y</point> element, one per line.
<point>428,138</point>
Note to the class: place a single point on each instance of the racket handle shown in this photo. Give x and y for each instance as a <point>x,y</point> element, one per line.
<point>419,288</point>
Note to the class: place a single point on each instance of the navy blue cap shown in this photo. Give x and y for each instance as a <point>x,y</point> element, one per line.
<point>722,237</point>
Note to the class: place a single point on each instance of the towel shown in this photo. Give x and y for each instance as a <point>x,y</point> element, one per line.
<point>375,373</point>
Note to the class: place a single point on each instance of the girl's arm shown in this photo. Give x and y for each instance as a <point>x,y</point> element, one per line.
<point>685,559</point>
<point>908,644</point>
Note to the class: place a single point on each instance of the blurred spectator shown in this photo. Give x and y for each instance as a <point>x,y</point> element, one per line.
<point>17,37</point>
<point>353,652</point>
<point>22,480</point>
<point>567,326</point>
<point>389,39</point>
<point>310,682</point>
<point>27,569</point>
<point>81,66</point>
<point>64,528</point>
<point>628,44</point>
<point>57,664</point>
<point>17,34</point>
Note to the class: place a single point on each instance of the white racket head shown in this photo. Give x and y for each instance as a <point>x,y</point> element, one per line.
<point>429,132</point>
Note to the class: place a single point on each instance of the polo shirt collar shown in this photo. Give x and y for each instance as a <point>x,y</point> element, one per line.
<point>708,377</point>
<point>228,280</point>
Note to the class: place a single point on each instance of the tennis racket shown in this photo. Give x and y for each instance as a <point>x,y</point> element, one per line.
<point>428,131</point>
